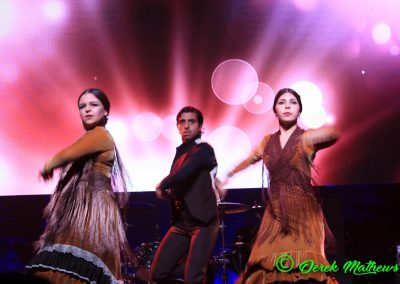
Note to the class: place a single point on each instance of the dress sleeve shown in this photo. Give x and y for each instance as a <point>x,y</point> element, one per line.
<point>94,141</point>
<point>255,155</point>
<point>321,138</point>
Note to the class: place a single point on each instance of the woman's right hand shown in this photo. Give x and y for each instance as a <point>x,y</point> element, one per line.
<point>220,185</point>
<point>46,173</point>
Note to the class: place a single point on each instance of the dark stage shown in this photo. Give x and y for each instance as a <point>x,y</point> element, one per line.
<point>363,218</point>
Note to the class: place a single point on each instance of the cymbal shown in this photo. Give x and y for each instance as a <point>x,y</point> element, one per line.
<point>257,206</point>
<point>238,245</point>
<point>231,207</point>
<point>149,244</point>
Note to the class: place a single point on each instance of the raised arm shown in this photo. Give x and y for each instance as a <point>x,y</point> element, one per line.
<point>322,137</point>
<point>94,141</point>
<point>254,156</point>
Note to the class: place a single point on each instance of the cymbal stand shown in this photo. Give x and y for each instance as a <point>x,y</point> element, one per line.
<point>258,209</point>
<point>224,260</point>
<point>127,266</point>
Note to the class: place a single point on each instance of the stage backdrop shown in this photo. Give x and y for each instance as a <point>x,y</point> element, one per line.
<point>228,58</point>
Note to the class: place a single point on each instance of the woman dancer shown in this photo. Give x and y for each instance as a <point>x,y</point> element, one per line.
<point>84,239</point>
<point>293,228</point>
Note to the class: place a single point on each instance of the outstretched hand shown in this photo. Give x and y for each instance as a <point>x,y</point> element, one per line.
<point>46,174</point>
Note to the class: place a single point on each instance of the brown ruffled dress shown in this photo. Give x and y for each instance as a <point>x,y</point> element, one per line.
<point>293,222</point>
<point>84,238</point>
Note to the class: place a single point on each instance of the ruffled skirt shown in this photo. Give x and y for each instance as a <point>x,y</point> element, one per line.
<point>88,244</point>
<point>279,257</point>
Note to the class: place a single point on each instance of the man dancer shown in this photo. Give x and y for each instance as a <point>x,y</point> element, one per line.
<point>190,186</point>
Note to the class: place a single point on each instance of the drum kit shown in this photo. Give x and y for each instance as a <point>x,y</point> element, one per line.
<point>232,256</point>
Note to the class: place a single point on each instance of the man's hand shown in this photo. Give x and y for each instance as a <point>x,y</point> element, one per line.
<point>162,194</point>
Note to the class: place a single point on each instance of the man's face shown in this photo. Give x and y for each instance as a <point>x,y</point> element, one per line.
<point>188,126</point>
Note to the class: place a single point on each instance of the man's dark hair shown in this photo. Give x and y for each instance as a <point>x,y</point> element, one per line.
<point>198,113</point>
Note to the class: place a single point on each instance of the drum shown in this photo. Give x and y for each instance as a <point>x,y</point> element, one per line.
<point>231,261</point>
<point>221,269</point>
<point>238,256</point>
<point>138,272</point>
<point>145,253</point>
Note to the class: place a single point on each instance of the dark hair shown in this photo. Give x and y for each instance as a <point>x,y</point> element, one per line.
<point>198,113</point>
<point>101,96</point>
<point>284,91</point>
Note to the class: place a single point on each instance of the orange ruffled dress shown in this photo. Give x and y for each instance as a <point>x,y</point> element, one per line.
<point>84,238</point>
<point>293,221</point>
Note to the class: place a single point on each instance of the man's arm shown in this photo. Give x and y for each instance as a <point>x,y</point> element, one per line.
<point>202,157</point>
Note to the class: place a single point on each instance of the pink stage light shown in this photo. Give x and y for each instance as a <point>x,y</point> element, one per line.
<point>330,119</point>
<point>230,81</point>
<point>306,5</point>
<point>7,18</point>
<point>313,114</point>
<point>232,145</point>
<point>262,100</point>
<point>311,95</point>
<point>118,129</point>
<point>169,129</point>
<point>381,33</point>
<point>314,118</point>
<point>55,11</point>
<point>235,137</point>
<point>146,126</point>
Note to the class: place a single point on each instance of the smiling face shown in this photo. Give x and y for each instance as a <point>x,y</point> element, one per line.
<point>287,108</point>
<point>188,126</point>
<point>92,111</point>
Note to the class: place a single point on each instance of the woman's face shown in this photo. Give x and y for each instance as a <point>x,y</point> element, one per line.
<point>91,110</point>
<point>287,108</point>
